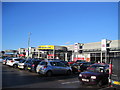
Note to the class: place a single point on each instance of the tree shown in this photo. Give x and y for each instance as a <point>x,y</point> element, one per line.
<point>2,52</point>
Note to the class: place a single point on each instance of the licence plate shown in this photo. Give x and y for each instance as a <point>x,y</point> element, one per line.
<point>87,80</point>
<point>29,68</point>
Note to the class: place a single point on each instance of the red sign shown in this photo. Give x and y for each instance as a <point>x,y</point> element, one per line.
<point>21,55</point>
<point>79,58</point>
<point>51,54</point>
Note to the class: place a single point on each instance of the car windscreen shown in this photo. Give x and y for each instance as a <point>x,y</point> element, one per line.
<point>36,62</point>
<point>100,69</point>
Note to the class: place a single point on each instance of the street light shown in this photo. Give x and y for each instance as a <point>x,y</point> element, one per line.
<point>29,33</point>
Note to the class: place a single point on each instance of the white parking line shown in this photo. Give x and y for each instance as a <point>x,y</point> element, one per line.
<point>70,82</point>
<point>61,80</point>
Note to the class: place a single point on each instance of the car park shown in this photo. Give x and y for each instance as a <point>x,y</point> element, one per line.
<point>95,74</point>
<point>80,67</point>
<point>31,64</point>
<point>13,62</point>
<point>52,67</point>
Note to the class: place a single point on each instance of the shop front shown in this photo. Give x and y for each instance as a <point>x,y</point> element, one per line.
<point>52,52</point>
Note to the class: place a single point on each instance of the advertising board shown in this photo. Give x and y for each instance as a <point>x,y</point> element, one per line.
<point>43,47</point>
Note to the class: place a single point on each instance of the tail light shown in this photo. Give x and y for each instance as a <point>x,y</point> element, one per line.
<point>4,61</point>
<point>12,61</point>
<point>33,65</point>
<point>45,67</point>
<point>110,68</point>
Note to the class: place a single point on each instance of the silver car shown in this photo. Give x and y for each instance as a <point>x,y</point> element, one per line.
<point>53,67</point>
<point>21,64</point>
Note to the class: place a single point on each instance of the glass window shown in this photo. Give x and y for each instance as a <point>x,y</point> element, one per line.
<point>53,63</point>
<point>60,64</point>
<point>21,61</point>
<point>17,59</point>
<point>43,63</point>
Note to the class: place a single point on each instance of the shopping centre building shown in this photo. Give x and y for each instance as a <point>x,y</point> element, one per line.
<point>97,51</point>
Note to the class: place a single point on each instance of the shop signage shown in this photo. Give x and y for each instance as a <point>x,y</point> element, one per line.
<point>42,47</point>
<point>76,47</point>
<point>103,45</point>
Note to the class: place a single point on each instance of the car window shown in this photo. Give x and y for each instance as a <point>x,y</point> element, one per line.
<point>87,64</point>
<point>60,64</point>
<point>21,61</point>
<point>36,62</point>
<point>43,63</point>
<point>28,61</point>
<point>9,59</point>
<point>53,63</point>
<point>17,59</point>
<point>97,69</point>
<point>92,68</point>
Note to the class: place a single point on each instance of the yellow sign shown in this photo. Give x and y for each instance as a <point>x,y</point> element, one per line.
<point>116,82</point>
<point>46,47</point>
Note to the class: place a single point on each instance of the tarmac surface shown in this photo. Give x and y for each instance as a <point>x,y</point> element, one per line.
<point>15,78</point>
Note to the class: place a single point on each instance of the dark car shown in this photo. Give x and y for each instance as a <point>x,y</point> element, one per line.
<point>80,67</point>
<point>78,61</point>
<point>31,64</point>
<point>95,74</point>
<point>71,63</point>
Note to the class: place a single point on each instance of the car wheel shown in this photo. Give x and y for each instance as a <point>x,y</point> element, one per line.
<point>68,72</point>
<point>82,83</point>
<point>49,73</point>
<point>100,83</point>
<point>15,66</point>
<point>25,68</point>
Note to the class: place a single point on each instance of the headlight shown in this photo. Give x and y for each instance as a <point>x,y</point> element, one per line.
<point>93,77</point>
<point>80,75</point>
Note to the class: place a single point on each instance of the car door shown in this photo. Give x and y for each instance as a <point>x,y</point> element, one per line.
<point>26,64</point>
<point>55,68</point>
<point>61,68</point>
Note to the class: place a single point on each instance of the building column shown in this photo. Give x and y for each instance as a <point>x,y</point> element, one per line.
<point>101,57</point>
<point>66,56</point>
<point>38,54</point>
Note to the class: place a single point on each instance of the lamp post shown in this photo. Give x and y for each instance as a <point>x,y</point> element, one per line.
<point>29,33</point>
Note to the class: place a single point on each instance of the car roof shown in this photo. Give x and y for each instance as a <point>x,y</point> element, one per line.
<point>51,61</point>
<point>101,64</point>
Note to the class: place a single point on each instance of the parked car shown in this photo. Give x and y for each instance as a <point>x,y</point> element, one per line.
<point>80,67</point>
<point>95,74</point>
<point>13,62</point>
<point>78,61</point>
<point>21,64</point>
<point>31,64</point>
<point>71,63</point>
<point>4,60</point>
<point>51,67</point>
